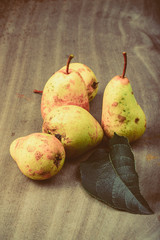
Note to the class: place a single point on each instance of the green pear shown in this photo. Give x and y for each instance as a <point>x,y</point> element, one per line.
<point>75,127</point>
<point>65,87</point>
<point>120,111</point>
<point>88,77</point>
<point>39,156</point>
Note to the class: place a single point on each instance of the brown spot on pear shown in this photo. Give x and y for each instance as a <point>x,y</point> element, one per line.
<point>41,163</point>
<point>121,118</point>
<point>78,129</point>
<point>136,120</point>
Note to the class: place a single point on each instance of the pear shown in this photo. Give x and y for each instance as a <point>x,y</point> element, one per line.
<point>39,156</point>
<point>65,87</point>
<point>88,77</point>
<point>120,111</point>
<point>75,127</point>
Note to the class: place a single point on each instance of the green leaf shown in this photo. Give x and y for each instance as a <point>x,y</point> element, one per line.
<point>112,178</point>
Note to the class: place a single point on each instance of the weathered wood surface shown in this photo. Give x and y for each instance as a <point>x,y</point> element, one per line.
<point>36,37</point>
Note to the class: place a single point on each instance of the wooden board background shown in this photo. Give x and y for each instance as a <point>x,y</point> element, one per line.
<point>36,37</point>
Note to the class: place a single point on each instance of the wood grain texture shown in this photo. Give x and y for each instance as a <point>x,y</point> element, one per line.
<point>36,37</point>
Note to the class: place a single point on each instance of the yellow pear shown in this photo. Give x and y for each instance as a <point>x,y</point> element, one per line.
<point>88,77</point>
<point>65,87</point>
<point>120,111</point>
<point>75,127</point>
<point>39,156</point>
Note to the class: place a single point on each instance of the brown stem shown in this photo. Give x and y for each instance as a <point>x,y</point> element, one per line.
<point>37,91</point>
<point>125,64</point>
<point>95,85</point>
<point>68,62</point>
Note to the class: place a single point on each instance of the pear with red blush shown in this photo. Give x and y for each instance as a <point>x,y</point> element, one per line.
<point>64,87</point>
<point>88,77</point>
<point>120,111</point>
<point>39,156</point>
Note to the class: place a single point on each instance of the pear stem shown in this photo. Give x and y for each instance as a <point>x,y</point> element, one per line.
<point>37,91</point>
<point>68,62</point>
<point>125,64</point>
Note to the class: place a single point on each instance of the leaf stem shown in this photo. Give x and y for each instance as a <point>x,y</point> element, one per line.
<point>68,62</point>
<point>125,64</point>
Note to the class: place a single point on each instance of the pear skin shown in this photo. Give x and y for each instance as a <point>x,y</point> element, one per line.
<point>120,111</point>
<point>75,127</point>
<point>39,156</point>
<point>88,77</point>
<point>65,87</point>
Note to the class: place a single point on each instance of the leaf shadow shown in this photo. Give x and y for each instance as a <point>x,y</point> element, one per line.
<point>148,167</point>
